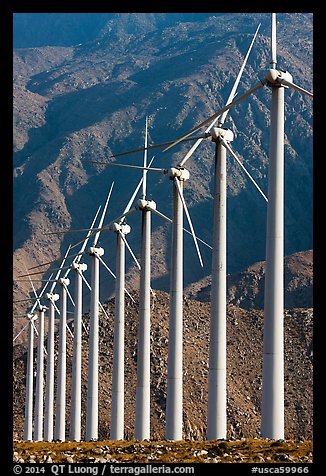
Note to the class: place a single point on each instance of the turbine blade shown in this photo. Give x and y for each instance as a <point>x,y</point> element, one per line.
<point>59,271</point>
<point>228,147</point>
<point>33,287</point>
<point>145,162</point>
<point>82,249</point>
<point>56,308</point>
<point>58,232</point>
<point>103,310</point>
<point>189,219</point>
<point>131,201</point>
<point>218,113</point>
<point>106,266</point>
<point>43,272</point>
<point>69,295</point>
<point>236,83</point>
<point>20,332</point>
<point>127,166</point>
<point>273,60</point>
<point>129,249</point>
<point>69,330</point>
<point>161,215</point>
<point>35,280</point>
<point>295,86</point>
<point>149,147</point>
<point>108,225</point>
<point>198,239</point>
<point>55,260</point>
<point>84,279</point>
<point>112,273</point>
<point>23,300</point>
<point>35,330</point>
<point>103,215</point>
<point>42,292</point>
<point>158,213</point>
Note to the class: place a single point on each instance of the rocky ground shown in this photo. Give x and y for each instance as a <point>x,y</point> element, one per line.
<point>245,450</point>
<point>246,288</point>
<point>244,371</point>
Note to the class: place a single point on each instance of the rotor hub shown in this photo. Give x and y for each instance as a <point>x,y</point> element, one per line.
<point>52,297</point>
<point>143,204</point>
<point>121,228</point>
<point>31,316</point>
<point>93,250</point>
<point>181,173</point>
<point>64,281</point>
<point>222,132</point>
<point>273,77</point>
<point>79,266</point>
<point>42,308</point>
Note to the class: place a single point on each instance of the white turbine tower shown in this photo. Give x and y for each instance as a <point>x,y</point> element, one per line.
<point>272,423</point>
<point>38,411</point>
<point>60,414</point>
<point>49,386</point>
<point>143,397</point>
<point>92,387</point>
<point>273,385</point>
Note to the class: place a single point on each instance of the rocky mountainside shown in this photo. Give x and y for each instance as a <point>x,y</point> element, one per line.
<point>246,288</point>
<point>244,372</point>
<point>85,96</point>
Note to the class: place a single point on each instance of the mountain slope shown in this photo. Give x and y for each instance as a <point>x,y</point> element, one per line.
<point>246,288</point>
<point>85,102</point>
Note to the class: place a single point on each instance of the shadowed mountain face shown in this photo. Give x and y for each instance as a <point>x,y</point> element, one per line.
<point>83,85</point>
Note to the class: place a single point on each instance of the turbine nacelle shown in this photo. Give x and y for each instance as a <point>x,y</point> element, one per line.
<point>93,250</point>
<point>274,77</point>
<point>64,281</point>
<point>181,173</point>
<point>42,308</point>
<point>143,204</point>
<point>79,266</point>
<point>121,228</point>
<point>31,316</point>
<point>52,297</point>
<point>222,132</point>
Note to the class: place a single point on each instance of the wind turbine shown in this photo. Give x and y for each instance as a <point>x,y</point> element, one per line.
<point>273,386</point>
<point>217,394</point>
<point>38,410</point>
<point>60,413</point>
<point>92,387</point>
<point>28,423</point>
<point>142,422</point>
<point>272,420</point>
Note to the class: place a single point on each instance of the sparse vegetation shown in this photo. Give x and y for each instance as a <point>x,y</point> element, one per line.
<point>247,451</point>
